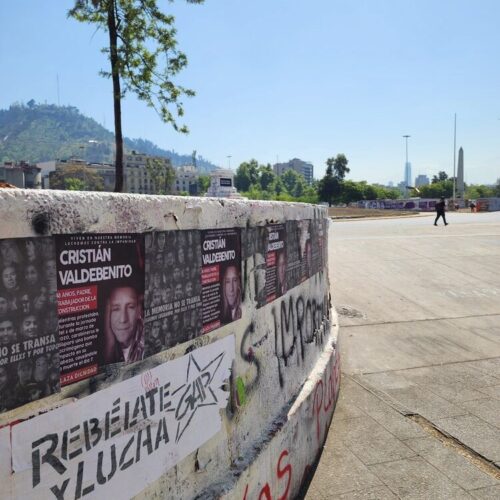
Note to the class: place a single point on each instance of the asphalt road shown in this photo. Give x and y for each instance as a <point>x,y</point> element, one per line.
<point>419,408</point>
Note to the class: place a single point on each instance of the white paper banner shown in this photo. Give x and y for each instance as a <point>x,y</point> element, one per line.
<point>5,465</point>
<point>121,439</point>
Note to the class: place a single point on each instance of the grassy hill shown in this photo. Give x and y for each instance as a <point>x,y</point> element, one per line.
<point>44,132</point>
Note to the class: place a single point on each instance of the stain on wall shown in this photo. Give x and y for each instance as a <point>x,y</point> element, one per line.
<point>281,375</point>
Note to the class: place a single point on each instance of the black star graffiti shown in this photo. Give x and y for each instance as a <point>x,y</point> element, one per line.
<point>196,392</point>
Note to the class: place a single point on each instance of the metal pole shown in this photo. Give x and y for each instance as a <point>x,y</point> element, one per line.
<point>454,159</point>
<point>407,181</point>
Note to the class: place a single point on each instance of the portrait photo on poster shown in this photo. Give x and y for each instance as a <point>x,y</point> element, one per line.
<point>276,262</point>
<point>254,253</point>
<point>173,289</point>
<point>29,357</point>
<point>123,325</point>
<point>231,293</point>
<point>221,277</point>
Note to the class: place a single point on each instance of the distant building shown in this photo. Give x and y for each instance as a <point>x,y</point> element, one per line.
<point>105,170</point>
<point>186,180</point>
<point>21,174</point>
<point>222,184</point>
<point>301,167</point>
<point>136,176</point>
<point>46,167</point>
<point>421,180</point>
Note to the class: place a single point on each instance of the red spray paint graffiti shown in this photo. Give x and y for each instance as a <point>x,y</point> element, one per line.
<point>324,400</point>
<point>282,471</point>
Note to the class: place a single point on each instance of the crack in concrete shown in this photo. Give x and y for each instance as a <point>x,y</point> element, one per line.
<point>432,365</point>
<point>447,440</point>
<point>451,318</point>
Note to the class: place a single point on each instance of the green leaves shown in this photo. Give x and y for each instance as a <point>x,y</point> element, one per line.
<point>147,56</point>
<point>259,182</point>
<point>139,33</point>
<point>162,174</point>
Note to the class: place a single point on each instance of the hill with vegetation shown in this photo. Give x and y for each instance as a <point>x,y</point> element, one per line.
<point>44,132</point>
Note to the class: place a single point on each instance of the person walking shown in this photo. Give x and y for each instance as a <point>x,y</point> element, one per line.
<point>440,211</point>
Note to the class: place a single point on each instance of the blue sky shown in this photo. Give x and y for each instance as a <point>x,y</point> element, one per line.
<point>278,79</point>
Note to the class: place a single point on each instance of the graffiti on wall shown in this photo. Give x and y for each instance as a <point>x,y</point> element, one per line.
<point>299,323</point>
<point>151,422</point>
<point>71,304</point>
<point>286,476</point>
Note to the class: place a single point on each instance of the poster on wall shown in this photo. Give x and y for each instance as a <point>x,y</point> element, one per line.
<point>100,294</point>
<point>305,235</point>
<point>294,254</point>
<point>116,442</point>
<point>173,289</point>
<point>318,245</point>
<point>254,253</point>
<point>29,359</point>
<point>276,262</point>
<point>220,277</point>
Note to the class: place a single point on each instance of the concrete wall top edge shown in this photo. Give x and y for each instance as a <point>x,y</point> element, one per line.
<point>32,213</point>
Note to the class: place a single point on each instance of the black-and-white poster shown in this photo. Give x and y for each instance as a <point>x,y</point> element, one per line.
<point>173,289</point>
<point>29,358</point>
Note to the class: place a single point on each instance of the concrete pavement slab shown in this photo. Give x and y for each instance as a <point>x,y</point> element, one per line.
<point>490,366</point>
<point>475,433</point>
<point>427,404</point>
<point>493,391</point>
<point>466,374</point>
<point>491,493</point>
<point>420,347</point>
<point>485,409</point>
<point>378,493</point>
<point>485,327</point>
<point>396,346</point>
<point>453,465</point>
<point>356,396</point>
<point>371,443</point>
<point>415,478</point>
<point>343,472</point>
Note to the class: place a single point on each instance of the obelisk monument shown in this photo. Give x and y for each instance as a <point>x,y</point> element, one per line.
<point>460,174</point>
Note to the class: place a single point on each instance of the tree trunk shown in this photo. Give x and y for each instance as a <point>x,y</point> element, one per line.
<point>115,75</point>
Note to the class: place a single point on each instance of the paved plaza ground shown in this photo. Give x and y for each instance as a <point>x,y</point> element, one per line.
<point>418,415</point>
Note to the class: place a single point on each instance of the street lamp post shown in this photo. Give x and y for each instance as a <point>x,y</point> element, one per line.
<point>454,159</point>
<point>407,180</point>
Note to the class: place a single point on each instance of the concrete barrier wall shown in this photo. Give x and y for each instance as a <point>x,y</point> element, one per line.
<point>219,405</point>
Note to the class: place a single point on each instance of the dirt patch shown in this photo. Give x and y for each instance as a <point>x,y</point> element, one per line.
<point>349,311</point>
<point>355,213</point>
